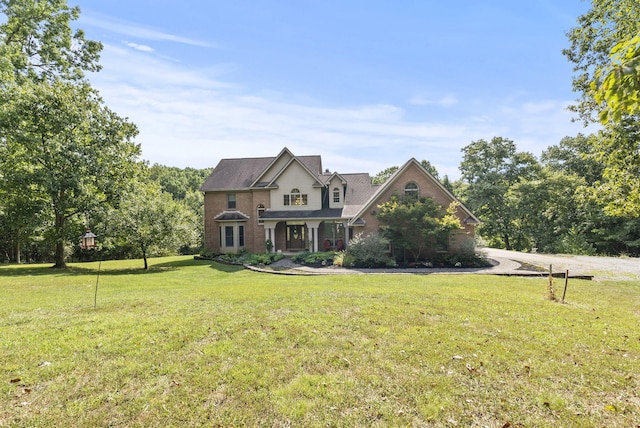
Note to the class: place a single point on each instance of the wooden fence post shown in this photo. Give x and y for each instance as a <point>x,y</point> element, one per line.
<point>566,283</point>
<point>552,295</point>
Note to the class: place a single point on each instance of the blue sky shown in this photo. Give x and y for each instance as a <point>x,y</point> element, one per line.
<point>365,84</point>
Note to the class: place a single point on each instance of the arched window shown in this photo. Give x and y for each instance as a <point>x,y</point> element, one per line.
<point>295,197</point>
<point>336,195</point>
<point>411,190</point>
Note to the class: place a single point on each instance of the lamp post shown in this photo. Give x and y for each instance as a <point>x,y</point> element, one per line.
<point>88,241</point>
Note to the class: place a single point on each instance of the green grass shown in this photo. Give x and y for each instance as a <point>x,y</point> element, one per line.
<point>196,343</point>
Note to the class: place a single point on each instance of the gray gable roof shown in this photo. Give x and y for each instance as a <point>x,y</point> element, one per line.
<point>240,173</point>
<point>359,190</point>
<point>235,174</point>
<point>472,219</point>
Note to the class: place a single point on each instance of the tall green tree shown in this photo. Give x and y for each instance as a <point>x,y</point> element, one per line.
<point>575,156</point>
<point>489,170</point>
<point>65,142</point>
<point>23,214</point>
<point>54,129</point>
<point>151,221</point>
<point>605,50</point>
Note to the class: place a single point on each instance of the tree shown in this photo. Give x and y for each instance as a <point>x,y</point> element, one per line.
<point>430,169</point>
<point>416,224</point>
<point>607,30</point>
<point>618,148</point>
<point>547,210</point>
<point>582,187</point>
<point>490,170</point>
<point>67,144</point>
<point>617,85</point>
<point>194,202</point>
<point>605,50</point>
<point>383,176</point>
<point>37,42</point>
<point>153,222</point>
<point>575,156</point>
<point>54,129</point>
<point>178,181</point>
<point>23,212</point>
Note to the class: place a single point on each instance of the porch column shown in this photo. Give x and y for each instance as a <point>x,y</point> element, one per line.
<point>345,225</point>
<point>270,233</point>
<point>313,234</point>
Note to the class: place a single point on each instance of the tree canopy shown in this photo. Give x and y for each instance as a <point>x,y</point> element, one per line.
<point>70,148</point>
<point>151,221</point>
<point>617,85</point>
<point>605,50</point>
<point>37,42</point>
<point>603,37</point>
<point>490,169</point>
<point>57,137</point>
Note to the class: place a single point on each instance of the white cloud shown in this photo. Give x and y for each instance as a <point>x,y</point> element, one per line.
<point>142,48</point>
<point>446,101</point>
<point>194,117</point>
<point>131,29</point>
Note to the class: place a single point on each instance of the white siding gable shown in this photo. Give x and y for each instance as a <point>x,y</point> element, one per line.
<point>277,166</point>
<point>296,177</point>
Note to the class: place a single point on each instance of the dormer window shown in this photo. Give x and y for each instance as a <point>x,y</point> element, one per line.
<point>411,190</point>
<point>336,195</point>
<point>295,198</point>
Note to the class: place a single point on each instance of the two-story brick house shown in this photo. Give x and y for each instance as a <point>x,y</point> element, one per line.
<point>291,202</point>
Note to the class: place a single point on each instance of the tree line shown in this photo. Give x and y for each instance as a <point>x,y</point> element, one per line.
<point>68,162</point>
<point>553,204</point>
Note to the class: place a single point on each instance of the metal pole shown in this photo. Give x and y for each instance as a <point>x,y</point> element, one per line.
<point>95,296</point>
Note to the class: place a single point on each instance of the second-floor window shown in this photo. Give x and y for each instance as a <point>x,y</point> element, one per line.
<point>295,198</point>
<point>231,201</point>
<point>260,212</point>
<point>411,190</point>
<point>336,195</point>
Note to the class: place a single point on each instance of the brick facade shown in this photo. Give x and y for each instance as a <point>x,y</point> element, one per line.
<point>242,229</point>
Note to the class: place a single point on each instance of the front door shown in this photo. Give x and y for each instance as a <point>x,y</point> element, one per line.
<point>296,237</point>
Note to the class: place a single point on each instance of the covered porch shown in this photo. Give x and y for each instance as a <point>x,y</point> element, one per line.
<point>301,231</point>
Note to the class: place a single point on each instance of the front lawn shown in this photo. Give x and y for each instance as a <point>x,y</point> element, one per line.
<point>197,343</point>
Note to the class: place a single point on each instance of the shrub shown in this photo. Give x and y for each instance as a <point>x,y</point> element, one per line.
<point>323,258</point>
<point>574,243</point>
<point>468,256</point>
<point>263,259</point>
<point>246,257</point>
<point>368,251</point>
<point>207,254</point>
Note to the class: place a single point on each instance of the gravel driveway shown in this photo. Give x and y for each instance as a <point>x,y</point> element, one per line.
<point>619,268</point>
